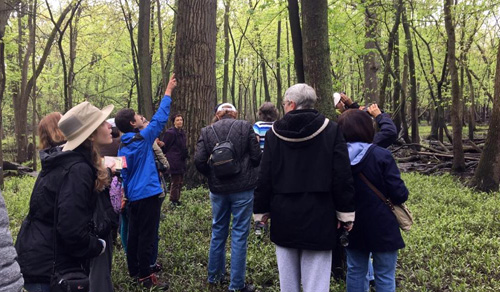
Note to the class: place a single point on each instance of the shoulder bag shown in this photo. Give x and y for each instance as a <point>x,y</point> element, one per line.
<point>402,213</point>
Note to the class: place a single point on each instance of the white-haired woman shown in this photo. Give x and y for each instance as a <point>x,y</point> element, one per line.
<point>63,201</point>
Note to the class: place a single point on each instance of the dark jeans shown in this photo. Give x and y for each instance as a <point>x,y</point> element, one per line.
<point>157,241</point>
<point>175,187</point>
<point>143,219</point>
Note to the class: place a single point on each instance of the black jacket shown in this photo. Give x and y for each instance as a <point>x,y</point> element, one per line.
<point>70,174</point>
<point>247,150</point>
<point>305,181</point>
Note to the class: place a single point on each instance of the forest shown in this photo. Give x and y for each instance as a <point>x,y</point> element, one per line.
<point>427,64</point>
<point>433,66</point>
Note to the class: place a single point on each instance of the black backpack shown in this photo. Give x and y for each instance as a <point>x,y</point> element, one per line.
<point>223,160</point>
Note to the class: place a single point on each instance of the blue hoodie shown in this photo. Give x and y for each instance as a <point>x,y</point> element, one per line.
<point>140,178</point>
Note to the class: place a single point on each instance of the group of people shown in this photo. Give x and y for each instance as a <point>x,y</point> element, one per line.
<point>303,172</point>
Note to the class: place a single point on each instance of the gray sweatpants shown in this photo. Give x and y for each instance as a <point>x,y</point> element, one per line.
<point>311,267</point>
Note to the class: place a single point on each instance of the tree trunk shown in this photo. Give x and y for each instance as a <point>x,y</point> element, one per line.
<point>33,68</point>
<point>390,49</point>
<point>415,138</point>
<point>195,97</point>
<point>164,75</point>
<point>397,85</point>
<point>404,92</point>
<point>278,68</point>
<point>487,174</point>
<point>294,16</point>
<point>456,121</point>
<point>317,53</point>
<point>144,58</point>
<point>73,36</point>
<point>472,107</point>
<point>370,59</point>
<point>288,70</point>
<point>264,78</point>
<point>225,81</point>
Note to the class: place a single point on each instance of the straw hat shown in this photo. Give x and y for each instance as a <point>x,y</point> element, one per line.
<point>80,122</point>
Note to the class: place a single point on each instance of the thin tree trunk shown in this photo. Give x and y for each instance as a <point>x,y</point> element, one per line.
<point>144,58</point>
<point>397,86</point>
<point>370,59</point>
<point>225,81</point>
<point>288,69</point>
<point>415,138</point>
<point>33,68</point>
<point>278,67</point>
<point>472,107</point>
<point>458,153</point>
<point>164,75</point>
<point>73,35</point>
<point>294,16</point>
<point>317,53</point>
<point>404,92</point>
<point>487,174</point>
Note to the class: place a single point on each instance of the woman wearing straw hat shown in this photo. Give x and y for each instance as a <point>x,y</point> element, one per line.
<point>56,234</point>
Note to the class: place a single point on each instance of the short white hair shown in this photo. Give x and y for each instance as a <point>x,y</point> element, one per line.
<point>303,95</point>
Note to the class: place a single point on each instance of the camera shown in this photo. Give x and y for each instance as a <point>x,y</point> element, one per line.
<point>344,237</point>
<point>367,106</point>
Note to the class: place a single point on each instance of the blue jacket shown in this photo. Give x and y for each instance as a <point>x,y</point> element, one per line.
<point>375,228</point>
<point>387,133</point>
<point>140,178</point>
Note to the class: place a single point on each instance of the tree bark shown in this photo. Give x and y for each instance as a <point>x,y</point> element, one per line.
<point>164,75</point>
<point>415,138</point>
<point>278,68</point>
<point>33,93</point>
<point>487,174</point>
<point>294,16</point>
<point>73,35</point>
<point>370,59</point>
<point>225,81</point>
<point>195,97</point>
<point>397,85</point>
<point>317,53</point>
<point>472,107</point>
<point>144,58</point>
<point>456,121</point>
<point>404,92</point>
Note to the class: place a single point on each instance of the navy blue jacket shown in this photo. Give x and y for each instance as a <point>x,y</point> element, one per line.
<point>376,228</point>
<point>387,133</point>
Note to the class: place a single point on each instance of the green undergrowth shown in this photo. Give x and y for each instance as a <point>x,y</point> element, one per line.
<point>453,246</point>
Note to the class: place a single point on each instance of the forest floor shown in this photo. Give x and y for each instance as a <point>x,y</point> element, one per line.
<point>454,244</point>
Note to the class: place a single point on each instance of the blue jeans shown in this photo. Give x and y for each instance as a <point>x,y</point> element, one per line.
<point>37,287</point>
<point>384,267</point>
<point>240,205</point>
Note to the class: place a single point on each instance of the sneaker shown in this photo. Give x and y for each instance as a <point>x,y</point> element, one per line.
<point>151,281</point>
<point>247,288</point>
<point>156,268</point>
<point>260,228</point>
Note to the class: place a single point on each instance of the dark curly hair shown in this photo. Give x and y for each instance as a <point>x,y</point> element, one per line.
<point>268,112</point>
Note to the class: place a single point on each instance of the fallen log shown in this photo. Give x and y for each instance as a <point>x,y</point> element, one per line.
<point>445,155</point>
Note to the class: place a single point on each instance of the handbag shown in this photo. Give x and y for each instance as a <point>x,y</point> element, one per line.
<point>402,213</point>
<point>71,280</point>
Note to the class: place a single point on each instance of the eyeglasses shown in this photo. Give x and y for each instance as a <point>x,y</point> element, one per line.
<point>284,103</point>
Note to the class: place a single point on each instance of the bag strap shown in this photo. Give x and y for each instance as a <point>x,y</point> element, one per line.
<point>227,137</point>
<point>376,191</point>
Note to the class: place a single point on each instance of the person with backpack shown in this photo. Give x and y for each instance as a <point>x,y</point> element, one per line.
<point>142,186</point>
<point>57,237</point>
<point>376,230</point>
<point>306,188</point>
<point>228,154</point>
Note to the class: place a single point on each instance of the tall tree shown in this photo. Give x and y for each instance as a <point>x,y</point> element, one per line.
<point>317,53</point>
<point>458,164</point>
<point>194,68</point>
<point>144,58</point>
<point>225,81</point>
<point>294,16</point>
<point>370,59</point>
<point>415,137</point>
<point>6,8</point>
<point>487,175</point>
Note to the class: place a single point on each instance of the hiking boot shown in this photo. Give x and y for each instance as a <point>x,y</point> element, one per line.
<point>247,288</point>
<point>151,281</point>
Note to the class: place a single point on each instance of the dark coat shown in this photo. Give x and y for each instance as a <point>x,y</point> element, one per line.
<point>307,185</point>
<point>376,228</point>
<point>387,133</point>
<point>247,151</point>
<point>175,150</point>
<point>71,175</point>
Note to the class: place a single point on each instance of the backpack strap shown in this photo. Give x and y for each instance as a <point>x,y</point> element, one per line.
<point>230,128</point>
<point>227,137</point>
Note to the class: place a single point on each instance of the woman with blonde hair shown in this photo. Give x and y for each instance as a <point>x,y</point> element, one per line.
<point>49,133</point>
<point>57,236</point>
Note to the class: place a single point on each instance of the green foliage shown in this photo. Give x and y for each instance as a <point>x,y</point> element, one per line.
<point>453,246</point>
